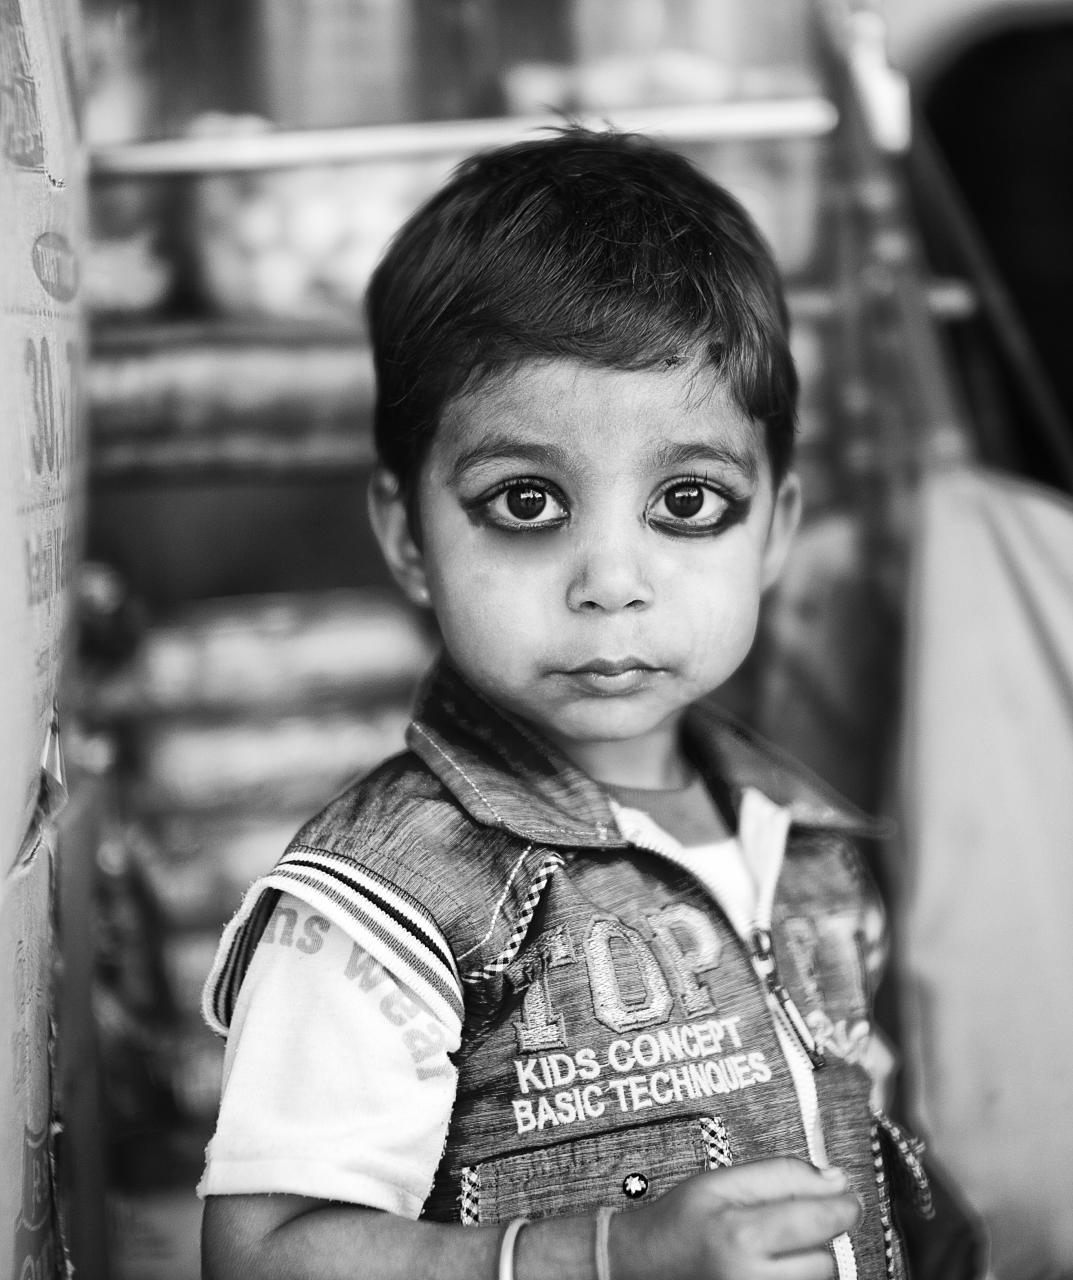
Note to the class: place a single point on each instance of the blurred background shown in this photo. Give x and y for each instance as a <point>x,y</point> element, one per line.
<point>200,645</point>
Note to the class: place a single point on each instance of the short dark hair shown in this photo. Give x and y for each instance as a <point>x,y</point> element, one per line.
<point>603,247</point>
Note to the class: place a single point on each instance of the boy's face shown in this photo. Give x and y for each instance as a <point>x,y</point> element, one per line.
<point>594,544</point>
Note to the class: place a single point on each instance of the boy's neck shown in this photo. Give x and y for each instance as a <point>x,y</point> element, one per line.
<point>655,762</point>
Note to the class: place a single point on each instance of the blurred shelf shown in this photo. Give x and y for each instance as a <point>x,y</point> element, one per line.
<point>269,400</point>
<point>742,120</point>
<point>263,656</point>
<point>277,399</point>
<point>116,333</point>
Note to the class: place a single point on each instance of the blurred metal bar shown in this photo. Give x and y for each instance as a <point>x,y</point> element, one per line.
<point>947,299</point>
<point>775,118</point>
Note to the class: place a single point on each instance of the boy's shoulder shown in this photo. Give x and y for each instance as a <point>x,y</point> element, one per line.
<point>400,802</point>
<point>376,861</point>
<point>402,825</point>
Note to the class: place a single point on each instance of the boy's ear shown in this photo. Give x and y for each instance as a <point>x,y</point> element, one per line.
<point>389,517</point>
<point>785,517</point>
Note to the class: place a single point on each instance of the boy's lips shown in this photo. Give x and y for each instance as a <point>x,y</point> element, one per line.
<point>611,666</point>
<point>609,677</point>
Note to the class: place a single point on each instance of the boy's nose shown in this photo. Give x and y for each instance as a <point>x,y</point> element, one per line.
<point>608,576</point>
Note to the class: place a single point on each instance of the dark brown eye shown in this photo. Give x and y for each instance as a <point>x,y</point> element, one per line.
<point>524,502</point>
<point>684,500</point>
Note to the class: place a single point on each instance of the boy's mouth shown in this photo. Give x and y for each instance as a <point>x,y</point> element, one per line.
<point>609,677</point>
<point>611,666</point>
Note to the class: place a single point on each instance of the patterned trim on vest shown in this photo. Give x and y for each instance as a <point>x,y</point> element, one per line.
<point>501,961</point>
<point>885,1220</point>
<point>910,1153</point>
<point>470,1199</point>
<point>716,1142</point>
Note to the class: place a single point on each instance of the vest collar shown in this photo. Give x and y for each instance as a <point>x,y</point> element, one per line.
<point>507,776</point>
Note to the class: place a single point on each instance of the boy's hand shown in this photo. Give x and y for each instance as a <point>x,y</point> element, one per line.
<point>767,1220</point>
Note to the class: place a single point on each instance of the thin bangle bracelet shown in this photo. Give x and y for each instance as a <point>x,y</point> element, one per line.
<point>506,1247</point>
<point>603,1233</point>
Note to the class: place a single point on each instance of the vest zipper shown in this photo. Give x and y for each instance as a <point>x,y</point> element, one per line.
<point>804,1059</point>
<point>799,1048</point>
<point>780,1000</point>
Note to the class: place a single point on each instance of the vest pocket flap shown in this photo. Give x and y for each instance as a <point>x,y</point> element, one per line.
<point>620,1168</point>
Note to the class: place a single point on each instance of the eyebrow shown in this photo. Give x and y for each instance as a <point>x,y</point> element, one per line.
<point>670,454</point>
<point>496,448</point>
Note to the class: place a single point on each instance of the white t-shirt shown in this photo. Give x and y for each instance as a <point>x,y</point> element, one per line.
<point>337,1082</point>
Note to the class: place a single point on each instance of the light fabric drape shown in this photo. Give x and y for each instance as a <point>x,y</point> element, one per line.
<point>986,893</point>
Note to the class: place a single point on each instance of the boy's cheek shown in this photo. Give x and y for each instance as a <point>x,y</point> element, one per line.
<point>486,609</point>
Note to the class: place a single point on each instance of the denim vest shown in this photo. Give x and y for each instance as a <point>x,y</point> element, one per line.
<point>618,1034</point>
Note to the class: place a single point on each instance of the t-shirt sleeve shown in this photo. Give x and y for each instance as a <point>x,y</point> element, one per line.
<point>338,1081</point>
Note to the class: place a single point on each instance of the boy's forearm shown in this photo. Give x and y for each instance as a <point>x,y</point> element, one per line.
<point>282,1238</point>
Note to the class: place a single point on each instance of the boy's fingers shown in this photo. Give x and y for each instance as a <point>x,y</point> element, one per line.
<point>819,1264</point>
<point>762,1181</point>
<point>773,1236</point>
<point>798,1225</point>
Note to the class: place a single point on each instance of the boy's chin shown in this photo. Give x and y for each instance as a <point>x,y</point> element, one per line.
<point>616,729</point>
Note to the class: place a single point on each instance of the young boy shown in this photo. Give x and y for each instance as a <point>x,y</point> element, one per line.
<point>587,946</point>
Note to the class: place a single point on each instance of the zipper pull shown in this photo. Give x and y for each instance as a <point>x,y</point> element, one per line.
<point>764,963</point>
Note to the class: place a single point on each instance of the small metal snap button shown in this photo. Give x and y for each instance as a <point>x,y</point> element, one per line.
<point>634,1185</point>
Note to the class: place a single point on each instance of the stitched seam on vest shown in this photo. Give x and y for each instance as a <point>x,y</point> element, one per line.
<point>457,767</point>
<point>551,828</point>
<point>499,905</point>
<point>514,943</point>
